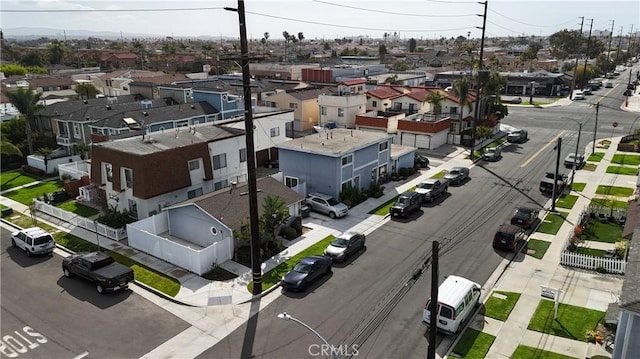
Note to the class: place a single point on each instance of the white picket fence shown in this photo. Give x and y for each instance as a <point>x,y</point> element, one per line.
<point>117,234</point>
<point>584,261</point>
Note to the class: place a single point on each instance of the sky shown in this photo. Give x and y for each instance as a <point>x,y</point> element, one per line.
<point>323,19</point>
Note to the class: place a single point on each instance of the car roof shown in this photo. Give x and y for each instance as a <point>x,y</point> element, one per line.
<point>526,209</point>
<point>430,180</point>
<point>35,231</point>
<point>349,234</point>
<point>319,195</point>
<point>311,259</point>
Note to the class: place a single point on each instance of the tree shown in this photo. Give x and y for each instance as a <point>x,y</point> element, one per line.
<point>57,52</point>
<point>435,98</point>
<point>87,89</point>
<point>286,36</point>
<point>275,213</point>
<point>484,132</point>
<point>461,90</point>
<point>531,52</point>
<point>565,43</point>
<point>382,51</point>
<point>46,153</point>
<point>138,48</point>
<point>300,38</point>
<point>412,45</point>
<point>26,101</point>
<point>82,149</point>
<point>32,58</point>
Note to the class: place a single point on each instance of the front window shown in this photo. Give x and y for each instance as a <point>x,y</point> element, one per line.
<point>220,185</point>
<point>291,182</point>
<point>220,161</point>
<point>274,132</point>
<point>323,110</point>
<point>128,178</point>
<point>243,155</point>
<point>383,146</point>
<point>108,170</point>
<point>194,193</point>
<point>340,112</point>
<point>374,104</point>
<point>293,105</point>
<point>194,165</point>
<point>347,160</point>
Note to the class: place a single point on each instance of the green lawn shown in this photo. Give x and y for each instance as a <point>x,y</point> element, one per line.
<point>498,308</point>
<point>589,167</point>
<point>27,194</point>
<point>552,222</point>
<point>626,159</point>
<point>274,276</point>
<point>579,186</point>
<point>614,191</point>
<point>525,352</point>
<point>603,232</point>
<point>590,251</point>
<point>474,344</point>
<point>439,174</point>
<point>79,209</point>
<point>621,170</point>
<point>383,209</point>
<point>596,157</point>
<point>14,179</point>
<point>572,322</point>
<point>537,248</point>
<point>567,201</point>
<point>608,203</point>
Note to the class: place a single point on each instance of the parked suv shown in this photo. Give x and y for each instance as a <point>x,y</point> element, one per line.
<point>432,188</point>
<point>546,184</point>
<point>326,204</point>
<point>34,240</point>
<point>517,136</point>
<point>573,158</point>
<point>405,204</point>
<point>508,236</point>
<point>525,217</point>
<point>492,154</point>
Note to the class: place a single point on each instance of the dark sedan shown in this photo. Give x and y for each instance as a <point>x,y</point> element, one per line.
<point>305,272</point>
<point>420,161</point>
<point>525,217</point>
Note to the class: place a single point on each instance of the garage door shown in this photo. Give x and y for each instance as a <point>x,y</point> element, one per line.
<point>408,139</point>
<point>423,141</point>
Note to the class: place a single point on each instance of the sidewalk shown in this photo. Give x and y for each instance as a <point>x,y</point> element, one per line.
<point>582,288</point>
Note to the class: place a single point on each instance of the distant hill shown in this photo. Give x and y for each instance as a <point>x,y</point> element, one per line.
<point>32,33</point>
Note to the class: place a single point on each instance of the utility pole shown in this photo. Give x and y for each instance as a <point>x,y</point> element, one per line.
<point>586,57</point>
<point>595,129</point>
<point>555,179</point>
<point>575,67</point>
<point>251,153</point>
<point>619,43</point>
<point>433,304</point>
<point>609,48</point>
<point>630,38</point>
<point>479,83</point>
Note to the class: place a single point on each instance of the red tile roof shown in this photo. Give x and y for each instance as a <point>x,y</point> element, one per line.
<point>384,92</point>
<point>352,82</point>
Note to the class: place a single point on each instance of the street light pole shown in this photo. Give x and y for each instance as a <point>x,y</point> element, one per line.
<point>285,316</point>
<point>575,158</point>
<point>555,179</point>
<point>595,129</point>
<point>533,83</point>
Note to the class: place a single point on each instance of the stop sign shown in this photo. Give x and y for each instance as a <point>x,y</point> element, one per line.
<point>615,124</point>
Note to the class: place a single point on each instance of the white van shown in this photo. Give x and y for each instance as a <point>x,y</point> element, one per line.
<point>457,298</point>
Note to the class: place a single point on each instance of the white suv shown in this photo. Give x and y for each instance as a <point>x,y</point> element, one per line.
<point>33,240</point>
<point>326,204</point>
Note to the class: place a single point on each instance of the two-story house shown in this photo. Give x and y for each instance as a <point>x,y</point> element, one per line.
<point>332,160</point>
<point>339,109</point>
<point>303,103</point>
<point>147,173</point>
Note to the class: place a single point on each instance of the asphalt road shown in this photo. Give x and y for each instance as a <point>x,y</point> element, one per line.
<point>45,315</point>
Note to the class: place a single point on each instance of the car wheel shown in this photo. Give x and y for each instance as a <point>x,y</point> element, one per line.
<point>13,243</point>
<point>29,254</point>
<point>329,271</point>
<point>332,215</point>
<point>99,288</point>
<point>66,272</point>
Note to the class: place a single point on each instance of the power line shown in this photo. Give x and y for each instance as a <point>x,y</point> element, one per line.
<point>388,12</point>
<point>528,24</point>
<point>107,10</point>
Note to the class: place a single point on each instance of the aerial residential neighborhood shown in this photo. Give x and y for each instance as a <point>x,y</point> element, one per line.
<point>390,195</point>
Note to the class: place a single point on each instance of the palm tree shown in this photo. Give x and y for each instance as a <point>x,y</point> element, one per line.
<point>82,149</point>
<point>46,153</point>
<point>435,98</point>
<point>461,90</point>
<point>26,101</point>
<point>275,214</point>
<point>300,37</point>
<point>286,36</point>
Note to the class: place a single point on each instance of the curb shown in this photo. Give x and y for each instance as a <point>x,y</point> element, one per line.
<point>264,293</point>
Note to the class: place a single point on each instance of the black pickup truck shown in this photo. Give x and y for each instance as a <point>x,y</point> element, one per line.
<point>99,268</point>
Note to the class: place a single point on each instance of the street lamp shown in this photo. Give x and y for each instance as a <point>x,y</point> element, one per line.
<point>533,83</point>
<point>285,316</point>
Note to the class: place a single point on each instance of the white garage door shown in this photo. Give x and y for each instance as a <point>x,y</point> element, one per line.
<point>408,139</point>
<point>423,141</point>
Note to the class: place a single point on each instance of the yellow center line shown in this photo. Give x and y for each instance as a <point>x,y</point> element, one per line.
<point>552,142</point>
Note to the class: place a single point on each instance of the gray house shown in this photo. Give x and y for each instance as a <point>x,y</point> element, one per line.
<point>332,160</point>
<point>627,344</point>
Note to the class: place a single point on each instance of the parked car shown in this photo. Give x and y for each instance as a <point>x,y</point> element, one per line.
<point>344,245</point>
<point>457,175</point>
<point>432,188</point>
<point>578,95</point>
<point>100,269</point>
<point>272,164</point>
<point>508,236</point>
<point>525,217</point>
<point>518,136</point>
<point>546,184</point>
<point>420,161</point>
<point>305,272</point>
<point>516,100</point>
<point>406,203</point>
<point>587,90</point>
<point>33,241</point>
<point>326,204</point>
<point>573,158</point>
<point>492,154</point>
<point>608,84</point>
<point>628,93</point>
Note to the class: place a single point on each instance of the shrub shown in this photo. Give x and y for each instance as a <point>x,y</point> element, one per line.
<point>601,270</point>
<point>289,233</point>
<point>32,171</point>
<point>621,248</point>
<point>115,219</point>
<point>591,335</point>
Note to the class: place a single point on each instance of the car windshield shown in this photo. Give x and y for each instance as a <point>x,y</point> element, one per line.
<point>302,268</point>
<point>43,240</point>
<point>403,200</point>
<point>340,242</point>
<point>490,150</point>
<point>522,214</point>
<point>454,172</point>
<point>425,185</point>
<point>332,201</point>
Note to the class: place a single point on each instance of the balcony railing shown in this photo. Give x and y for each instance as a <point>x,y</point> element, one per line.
<point>64,140</point>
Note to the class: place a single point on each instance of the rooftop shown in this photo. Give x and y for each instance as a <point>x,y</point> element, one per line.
<point>335,142</point>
